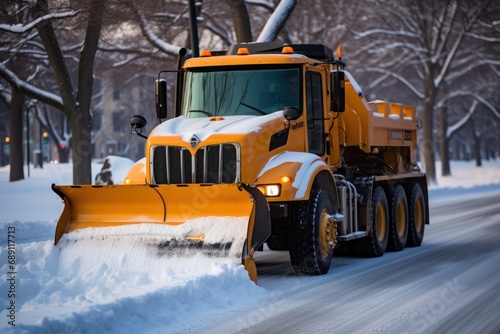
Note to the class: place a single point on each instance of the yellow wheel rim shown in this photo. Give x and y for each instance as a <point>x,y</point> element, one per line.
<point>327,232</point>
<point>419,215</point>
<point>380,221</point>
<point>400,218</point>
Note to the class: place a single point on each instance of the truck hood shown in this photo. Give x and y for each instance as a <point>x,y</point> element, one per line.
<point>206,126</point>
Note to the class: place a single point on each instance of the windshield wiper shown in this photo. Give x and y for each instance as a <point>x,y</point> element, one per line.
<point>253,108</point>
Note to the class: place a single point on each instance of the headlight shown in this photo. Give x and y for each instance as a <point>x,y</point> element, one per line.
<point>270,190</point>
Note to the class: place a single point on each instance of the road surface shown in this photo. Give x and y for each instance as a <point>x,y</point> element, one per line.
<point>451,284</point>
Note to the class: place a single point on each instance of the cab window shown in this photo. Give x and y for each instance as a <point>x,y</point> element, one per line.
<point>315,122</point>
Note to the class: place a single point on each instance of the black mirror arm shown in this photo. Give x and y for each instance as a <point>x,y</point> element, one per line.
<point>134,131</point>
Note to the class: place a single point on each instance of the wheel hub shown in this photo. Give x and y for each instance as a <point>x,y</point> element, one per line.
<point>327,232</point>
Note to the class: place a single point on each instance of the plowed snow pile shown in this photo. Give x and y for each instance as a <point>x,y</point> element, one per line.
<point>114,279</point>
<point>95,284</point>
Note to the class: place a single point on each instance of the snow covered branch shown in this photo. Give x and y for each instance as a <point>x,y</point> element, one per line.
<point>153,38</point>
<point>261,3</point>
<point>20,28</point>
<point>484,38</point>
<point>471,19</point>
<point>471,67</point>
<point>477,97</point>
<point>457,126</point>
<point>387,32</point>
<point>402,45</point>
<point>400,79</point>
<point>39,94</point>
<point>277,21</point>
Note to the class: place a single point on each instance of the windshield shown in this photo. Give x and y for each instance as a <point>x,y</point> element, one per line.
<point>240,92</point>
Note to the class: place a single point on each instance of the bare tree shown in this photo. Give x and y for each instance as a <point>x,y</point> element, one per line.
<point>57,129</point>
<point>74,102</point>
<point>161,30</point>
<point>426,41</point>
<point>466,104</point>
<point>16,128</point>
<point>14,97</point>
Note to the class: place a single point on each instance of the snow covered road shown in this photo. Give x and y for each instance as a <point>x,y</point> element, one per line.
<point>451,284</point>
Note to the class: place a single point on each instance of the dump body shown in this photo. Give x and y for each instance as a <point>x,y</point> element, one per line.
<point>262,133</point>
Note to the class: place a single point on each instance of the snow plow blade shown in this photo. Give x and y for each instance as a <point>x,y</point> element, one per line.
<point>218,220</point>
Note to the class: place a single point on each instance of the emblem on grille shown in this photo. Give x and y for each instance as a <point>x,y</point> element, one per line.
<point>194,141</point>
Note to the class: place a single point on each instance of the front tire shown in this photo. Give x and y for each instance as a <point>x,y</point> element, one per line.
<point>312,234</point>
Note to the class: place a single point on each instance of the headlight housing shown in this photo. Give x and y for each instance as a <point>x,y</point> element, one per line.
<point>270,190</point>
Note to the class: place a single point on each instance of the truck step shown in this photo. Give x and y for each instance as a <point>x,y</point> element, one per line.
<point>351,236</point>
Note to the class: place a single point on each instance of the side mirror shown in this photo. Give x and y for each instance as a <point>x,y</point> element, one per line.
<point>161,98</point>
<point>291,113</point>
<point>338,91</point>
<point>137,122</point>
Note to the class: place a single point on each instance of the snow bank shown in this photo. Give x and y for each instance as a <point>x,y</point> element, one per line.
<point>466,179</point>
<point>75,290</point>
<point>466,175</point>
<point>114,170</point>
<point>32,199</point>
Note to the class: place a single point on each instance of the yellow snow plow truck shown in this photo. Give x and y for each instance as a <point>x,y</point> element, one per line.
<point>270,143</point>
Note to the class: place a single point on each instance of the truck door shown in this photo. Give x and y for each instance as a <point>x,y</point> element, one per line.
<point>314,110</point>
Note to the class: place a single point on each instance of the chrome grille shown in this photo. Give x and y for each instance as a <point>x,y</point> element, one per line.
<point>211,164</point>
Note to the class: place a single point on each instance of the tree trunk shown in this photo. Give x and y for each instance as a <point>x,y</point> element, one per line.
<point>76,103</point>
<point>498,139</point>
<point>444,142</point>
<point>16,114</point>
<point>241,20</point>
<point>81,125</point>
<point>81,153</point>
<point>477,144</point>
<point>427,127</point>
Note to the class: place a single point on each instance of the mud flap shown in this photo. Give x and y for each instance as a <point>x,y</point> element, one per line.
<point>259,229</point>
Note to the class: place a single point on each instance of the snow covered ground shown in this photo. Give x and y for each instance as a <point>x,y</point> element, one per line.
<point>80,291</point>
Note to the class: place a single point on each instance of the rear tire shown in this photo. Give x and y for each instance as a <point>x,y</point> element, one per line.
<point>310,235</point>
<point>417,217</point>
<point>398,223</point>
<point>375,243</point>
